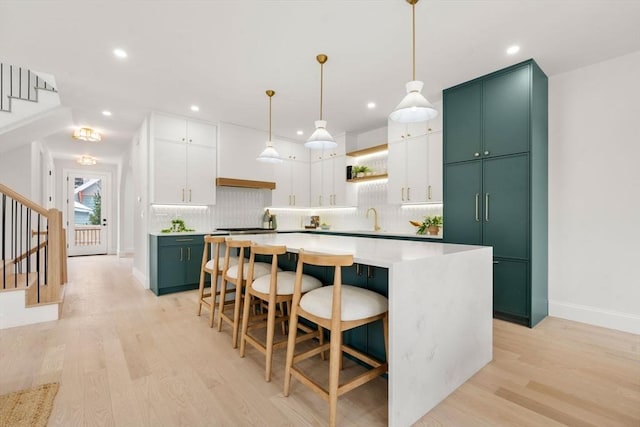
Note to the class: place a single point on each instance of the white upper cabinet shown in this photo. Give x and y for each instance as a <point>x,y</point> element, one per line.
<point>291,176</point>
<point>238,148</point>
<point>415,162</point>
<point>183,163</point>
<point>328,181</point>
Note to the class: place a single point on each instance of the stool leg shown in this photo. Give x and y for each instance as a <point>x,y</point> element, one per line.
<point>291,345</point>
<point>335,356</point>
<point>245,321</point>
<point>223,297</point>
<point>271,329</point>
<point>236,315</point>
<point>214,295</point>
<point>201,291</point>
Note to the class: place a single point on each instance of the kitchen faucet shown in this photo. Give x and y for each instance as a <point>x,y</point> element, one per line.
<point>376,227</point>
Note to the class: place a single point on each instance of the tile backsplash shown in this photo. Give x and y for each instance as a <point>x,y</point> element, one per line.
<point>244,207</point>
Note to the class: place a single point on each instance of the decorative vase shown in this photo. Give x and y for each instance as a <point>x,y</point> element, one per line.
<point>433,230</point>
<point>359,174</point>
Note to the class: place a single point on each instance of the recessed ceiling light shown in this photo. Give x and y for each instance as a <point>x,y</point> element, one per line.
<point>106,113</point>
<point>371,105</point>
<point>300,132</point>
<point>512,50</point>
<point>195,108</point>
<point>120,53</point>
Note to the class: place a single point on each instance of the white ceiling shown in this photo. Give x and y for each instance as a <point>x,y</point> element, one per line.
<point>223,55</point>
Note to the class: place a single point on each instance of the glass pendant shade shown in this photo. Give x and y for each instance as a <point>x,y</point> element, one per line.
<point>321,138</point>
<point>414,107</point>
<point>269,154</point>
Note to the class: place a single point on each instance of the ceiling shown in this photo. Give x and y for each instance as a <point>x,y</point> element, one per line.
<point>223,55</point>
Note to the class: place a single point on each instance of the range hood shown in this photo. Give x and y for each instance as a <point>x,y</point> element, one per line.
<point>245,183</point>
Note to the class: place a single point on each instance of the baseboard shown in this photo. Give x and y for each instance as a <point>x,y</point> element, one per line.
<point>596,316</point>
<point>141,278</point>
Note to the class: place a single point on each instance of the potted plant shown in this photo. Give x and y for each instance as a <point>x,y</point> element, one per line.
<point>177,226</point>
<point>361,171</point>
<point>430,224</point>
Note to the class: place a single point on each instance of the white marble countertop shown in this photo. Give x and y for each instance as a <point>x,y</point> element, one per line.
<point>370,251</point>
<point>189,233</point>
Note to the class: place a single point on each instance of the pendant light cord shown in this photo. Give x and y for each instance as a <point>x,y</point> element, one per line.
<point>413,11</point>
<point>269,118</point>
<point>321,87</point>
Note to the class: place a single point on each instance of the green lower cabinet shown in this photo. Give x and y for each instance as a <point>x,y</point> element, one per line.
<point>369,338</point>
<point>511,289</point>
<point>463,208</point>
<point>175,263</point>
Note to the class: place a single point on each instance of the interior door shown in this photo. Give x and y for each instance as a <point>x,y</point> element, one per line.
<point>87,208</point>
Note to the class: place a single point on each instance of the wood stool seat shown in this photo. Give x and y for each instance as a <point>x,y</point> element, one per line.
<point>337,308</point>
<point>273,289</point>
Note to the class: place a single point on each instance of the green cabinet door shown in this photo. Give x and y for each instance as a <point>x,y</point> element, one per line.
<point>193,263</point>
<point>170,266</point>
<point>506,207</point>
<point>506,113</point>
<point>463,122</point>
<point>463,203</point>
<point>511,288</point>
<point>377,281</point>
<point>355,275</point>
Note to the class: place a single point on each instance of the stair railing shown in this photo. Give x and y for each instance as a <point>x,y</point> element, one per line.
<point>33,248</point>
<point>19,83</point>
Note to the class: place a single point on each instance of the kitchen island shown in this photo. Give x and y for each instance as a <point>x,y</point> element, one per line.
<point>440,312</point>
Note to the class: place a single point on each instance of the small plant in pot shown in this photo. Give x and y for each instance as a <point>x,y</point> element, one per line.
<point>361,171</point>
<point>430,224</point>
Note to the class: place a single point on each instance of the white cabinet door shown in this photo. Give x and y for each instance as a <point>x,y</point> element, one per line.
<point>327,182</point>
<point>396,168</point>
<point>169,128</point>
<point>169,172</point>
<point>401,131</point>
<point>344,194</point>
<point>416,167</point>
<point>300,183</point>
<point>201,175</point>
<point>201,134</point>
<point>281,196</point>
<point>434,181</point>
<point>315,183</point>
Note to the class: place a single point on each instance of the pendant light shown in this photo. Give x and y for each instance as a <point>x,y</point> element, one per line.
<point>321,138</point>
<point>414,107</point>
<point>269,155</point>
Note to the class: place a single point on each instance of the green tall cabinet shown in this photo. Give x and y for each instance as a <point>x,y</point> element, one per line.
<point>495,182</point>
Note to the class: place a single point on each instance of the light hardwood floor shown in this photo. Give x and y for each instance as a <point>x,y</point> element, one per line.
<point>125,357</point>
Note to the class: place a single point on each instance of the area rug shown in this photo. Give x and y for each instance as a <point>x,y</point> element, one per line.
<point>30,407</point>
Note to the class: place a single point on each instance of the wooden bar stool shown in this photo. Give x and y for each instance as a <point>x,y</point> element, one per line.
<point>337,308</point>
<point>211,265</point>
<point>235,275</point>
<point>273,289</point>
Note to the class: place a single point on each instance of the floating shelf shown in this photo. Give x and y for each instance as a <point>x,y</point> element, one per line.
<point>370,150</point>
<point>369,178</point>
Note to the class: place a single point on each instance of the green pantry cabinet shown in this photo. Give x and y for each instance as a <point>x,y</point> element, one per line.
<point>495,182</point>
<point>175,263</point>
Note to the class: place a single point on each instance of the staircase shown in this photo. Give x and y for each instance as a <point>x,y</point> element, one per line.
<point>33,261</point>
<point>30,107</point>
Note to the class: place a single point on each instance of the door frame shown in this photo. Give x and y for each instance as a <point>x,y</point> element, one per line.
<point>107,194</point>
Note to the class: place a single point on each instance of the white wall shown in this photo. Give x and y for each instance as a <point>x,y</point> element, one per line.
<point>594,194</point>
<point>15,169</point>
<point>139,162</point>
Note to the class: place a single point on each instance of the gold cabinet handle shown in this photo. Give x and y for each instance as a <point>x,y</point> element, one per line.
<point>189,194</point>
<point>486,207</point>
<point>486,153</point>
<point>180,254</point>
<point>188,254</point>
<point>294,200</point>
<point>429,193</point>
<point>183,194</point>
<point>403,194</point>
<point>320,200</point>
<point>476,154</point>
<point>477,204</point>
<point>408,194</point>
